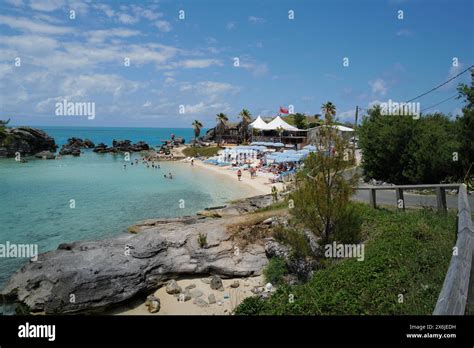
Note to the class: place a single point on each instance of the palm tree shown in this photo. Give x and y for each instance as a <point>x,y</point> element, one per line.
<point>329,111</point>
<point>246,120</point>
<point>280,131</point>
<point>222,120</point>
<point>197,129</point>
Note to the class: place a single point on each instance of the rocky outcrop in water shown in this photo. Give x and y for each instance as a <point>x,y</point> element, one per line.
<point>25,140</point>
<point>122,146</point>
<point>98,274</point>
<point>74,146</point>
<point>45,155</point>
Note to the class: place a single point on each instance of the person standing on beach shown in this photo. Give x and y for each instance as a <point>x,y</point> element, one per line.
<point>192,162</point>
<point>239,174</point>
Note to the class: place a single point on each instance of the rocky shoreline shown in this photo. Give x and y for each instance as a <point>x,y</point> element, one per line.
<point>89,276</point>
<point>26,141</point>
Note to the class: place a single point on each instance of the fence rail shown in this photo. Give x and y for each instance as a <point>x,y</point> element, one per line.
<point>453,296</point>
<point>439,188</point>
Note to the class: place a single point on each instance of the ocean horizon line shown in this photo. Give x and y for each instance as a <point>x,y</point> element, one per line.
<point>90,127</point>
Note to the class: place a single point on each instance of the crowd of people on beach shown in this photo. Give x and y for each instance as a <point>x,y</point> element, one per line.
<point>149,163</point>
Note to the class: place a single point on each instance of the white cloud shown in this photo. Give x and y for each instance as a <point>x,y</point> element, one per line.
<point>373,103</point>
<point>230,25</point>
<point>378,86</point>
<point>30,43</point>
<point>145,13</point>
<point>46,5</point>
<point>127,19</point>
<point>106,9</point>
<point>257,69</point>
<point>212,90</point>
<point>254,19</point>
<point>163,26</point>
<point>97,36</point>
<point>453,71</point>
<point>78,6</point>
<point>199,63</point>
<point>203,108</point>
<point>17,3</point>
<point>348,115</point>
<point>26,25</point>
<point>457,112</point>
<point>404,32</point>
<point>169,81</point>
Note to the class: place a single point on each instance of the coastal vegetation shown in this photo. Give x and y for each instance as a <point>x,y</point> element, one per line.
<point>4,136</point>
<point>244,126</point>
<point>323,191</point>
<point>202,240</point>
<point>275,270</point>
<point>406,257</point>
<point>222,120</point>
<point>201,151</point>
<point>303,121</point>
<point>197,126</point>
<point>408,150</point>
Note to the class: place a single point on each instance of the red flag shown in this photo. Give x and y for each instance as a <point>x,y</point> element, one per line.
<point>283,110</point>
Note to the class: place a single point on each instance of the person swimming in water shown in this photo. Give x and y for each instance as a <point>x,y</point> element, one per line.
<point>170,176</point>
<point>124,166</point>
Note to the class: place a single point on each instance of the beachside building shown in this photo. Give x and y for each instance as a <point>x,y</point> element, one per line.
<point>277,130</point>
<point>313,133</point>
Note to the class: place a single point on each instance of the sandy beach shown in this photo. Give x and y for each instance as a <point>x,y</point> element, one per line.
<point>260,185</point>
<point>226,299</point>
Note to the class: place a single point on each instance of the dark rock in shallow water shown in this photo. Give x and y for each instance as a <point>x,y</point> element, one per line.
<point>45,155</point>
<point>103,273</point>
<point>74,146</point>
<point>122,146</point>
<point>26,141</point>
<point>100,148</point>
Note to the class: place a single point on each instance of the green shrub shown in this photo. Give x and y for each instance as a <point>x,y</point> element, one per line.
<point>348,226</point>
<point>275,270</point>
<point>404,150</point>
<point>250,306</point>
<point>406,253</point>
<point>202,240</point>
<point>295,239</point>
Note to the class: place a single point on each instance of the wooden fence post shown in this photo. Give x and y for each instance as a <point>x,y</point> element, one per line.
<point>441,199</point>
<point>373,198</point>
<point>400,200</point>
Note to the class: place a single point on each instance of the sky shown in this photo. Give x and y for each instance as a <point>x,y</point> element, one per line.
<point>144,66</point>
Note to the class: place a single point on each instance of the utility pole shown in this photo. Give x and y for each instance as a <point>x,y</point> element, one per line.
<point>355,130</point>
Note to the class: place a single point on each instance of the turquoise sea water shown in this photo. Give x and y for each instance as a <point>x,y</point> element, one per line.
<point>35,196</point>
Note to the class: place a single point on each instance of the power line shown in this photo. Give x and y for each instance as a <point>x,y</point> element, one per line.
<point>433,89</point>
<point>441,102</point>
<point>441,85</point>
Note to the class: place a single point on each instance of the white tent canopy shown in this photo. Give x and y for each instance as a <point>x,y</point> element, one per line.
<point>277,122</point>
<point>342,128</point>
<point>259,123</point>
